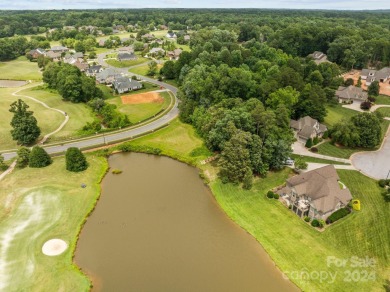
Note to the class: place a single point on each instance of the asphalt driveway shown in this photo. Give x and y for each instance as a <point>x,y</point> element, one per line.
<point>375,164</point>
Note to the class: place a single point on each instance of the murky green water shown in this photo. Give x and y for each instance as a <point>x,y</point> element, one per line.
<point>157,227</point>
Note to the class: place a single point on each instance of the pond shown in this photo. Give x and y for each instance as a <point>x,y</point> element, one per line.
<point>157,227</point>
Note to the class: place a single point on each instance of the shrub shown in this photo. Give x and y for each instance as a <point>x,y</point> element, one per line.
<point>116,171</point>
<point>276,196</point>
<point>314,149</point>
<point>382,183</point>
<point>386,195</point>
<point>315,223</point>
<point>315,141</point>
<point>290,207</point>
<point>371,99</point>
<point>39,158</point>
<point>348,82</point>
<point>365,105</point>
<point>321,223</point>
<point>3,166</point>
<point>128,147</point>
<point>270,194</point>
<point>307,219</point>
<point>338,215</point>
<point>325,135</point>
<point>309,143</point>
<point>75,160</point>
<point>23,157</point>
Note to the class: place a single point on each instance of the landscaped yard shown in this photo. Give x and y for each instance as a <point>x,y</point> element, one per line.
<point>297,248</point>
<point>124,64</point>
<point>336,113</point>
<point>38,205</point>
<point>143,70</point>
<point>382,99</point>
<point>142,111</point>
<point>20,69</point>
<point>315,159</point>
<point>385,111</point>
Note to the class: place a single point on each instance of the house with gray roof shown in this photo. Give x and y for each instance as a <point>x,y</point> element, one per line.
<point>124,84</point>
<point>94,70</point>
<point>157,52</point>
<point>59,49</point>
<point>171,35</point>
<point>73,58</point>
<point>370,75</point>
<point>56,57</point>
<point>36,53</point>
<point>175,54</point>
<point>319,57</point>
<point>126,56</point>
<point>307,127</point>
<point>316,193</point>
<point>350,94</point>
<point>107,76</point>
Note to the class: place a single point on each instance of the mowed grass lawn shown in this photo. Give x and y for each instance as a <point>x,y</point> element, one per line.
<point>382,99</point>
<point>20,69</point>
<point>142,111</point>
<point>38,205</point>
<point>296,247</point>
<point>385,111</point>
<point>48,120</point>
<point>144,69</point>
<point>129,63</point>
<point>79,113</point>
<point>336,113</point>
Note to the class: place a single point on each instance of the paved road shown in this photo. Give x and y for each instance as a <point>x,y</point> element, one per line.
<point>375,164</point>
<point>110,138</point>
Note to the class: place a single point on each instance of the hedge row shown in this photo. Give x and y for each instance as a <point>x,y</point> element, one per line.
<point>338,215</point>
<point>128,147</point>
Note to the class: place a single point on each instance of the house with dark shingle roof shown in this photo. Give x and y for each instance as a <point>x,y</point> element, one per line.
<point>126,57</point>
<point>107,76</point>
<point>59,49</point>
<point>307,127</point>
<point>36,53</point>
<point>124,84</point>
<point>350,94</point>
<point>319,57</point>
<point>171,35</point>
<point>316,193</point>
<point>94,70</point>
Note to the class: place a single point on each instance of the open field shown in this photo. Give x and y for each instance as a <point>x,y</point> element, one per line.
<point>20,69</point>
<point>124,64</point>
<point>295,246</point>
<point>48,120</point>
<point>79,113</point>
<point>143,70</point>
<point>336,113</point>
<point>41,204</point>
<point>141,111</point>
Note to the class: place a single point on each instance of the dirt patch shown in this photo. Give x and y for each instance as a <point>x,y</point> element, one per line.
<point>148,97</point>
<point>12,83</point>
<point>384,87</point>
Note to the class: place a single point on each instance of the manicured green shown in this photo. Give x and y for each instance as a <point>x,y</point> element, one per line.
<point>48,203</point>
<point>143,111</point>
<point>385,111</point>
<point>336,113</point>
<point>296,246</point>
<point>328,149</point>
<point>20,69</point>
<point>124,64</point>
<point>316,160</point>
<point>143,70</point>
<point>382,99</point>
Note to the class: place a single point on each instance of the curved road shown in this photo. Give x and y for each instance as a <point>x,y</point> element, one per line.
<point>110,138</point>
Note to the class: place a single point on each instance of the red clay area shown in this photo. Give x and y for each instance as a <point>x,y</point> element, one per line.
<point>384,88</point>
<point>148,97</point>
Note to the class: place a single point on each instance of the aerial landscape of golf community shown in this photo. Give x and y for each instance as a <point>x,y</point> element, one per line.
<point>190,147</point>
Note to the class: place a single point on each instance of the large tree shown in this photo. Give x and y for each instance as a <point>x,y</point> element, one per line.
<point>75,160</point>
<point>39,158</point>
<point>25,126</point>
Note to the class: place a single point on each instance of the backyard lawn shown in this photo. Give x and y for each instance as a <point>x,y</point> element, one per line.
<point>20,69</point>
<point>382,99</point>
<point>385,111</point>
<point>336,113</point>
<point>37,205</point>
<point>297,248</point>
<point>144,69</point>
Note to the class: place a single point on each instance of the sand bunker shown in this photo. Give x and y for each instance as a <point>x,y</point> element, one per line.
<point>54,247</point>
<point>12,83</point>
<point>148,97</point>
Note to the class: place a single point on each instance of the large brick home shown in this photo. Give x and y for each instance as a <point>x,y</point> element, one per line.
<point>316,193</point>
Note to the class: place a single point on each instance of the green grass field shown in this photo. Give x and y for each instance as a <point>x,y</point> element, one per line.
<point>48,120</point>
<point>20,69</point>
<point>336,113</point>
<point>295,246</point>
<point>140,112</point>
<point>316,160</point>
<point>124,64</point>
<point>143,70</point>
<point>38,205</point>
<point>79,113</point>
<point>385,111</point>
<point>382,99</point>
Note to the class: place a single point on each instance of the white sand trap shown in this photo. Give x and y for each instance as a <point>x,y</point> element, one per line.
<point>54,247</point>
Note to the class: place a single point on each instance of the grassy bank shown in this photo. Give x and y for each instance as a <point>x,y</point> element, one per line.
<point>124,64</point>
<point>41,204</point>
<point>316,160</point>
<point>20,69</point>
